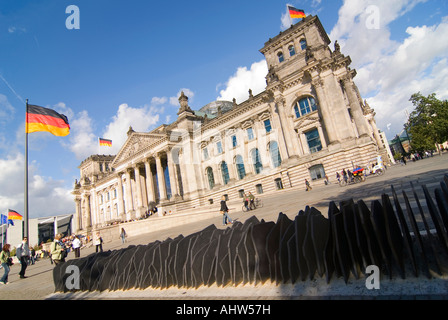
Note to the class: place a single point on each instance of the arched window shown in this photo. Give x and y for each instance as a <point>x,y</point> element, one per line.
<point>303,44</point>
<point>305,106</point>
<point>211,178</point>
<point>317,172</point>
<point>225,172</point>
<point>280,57</point>
<point>256,160</point>
<point>275,154</point>
<point>240,167</point>
<point>292,51</point>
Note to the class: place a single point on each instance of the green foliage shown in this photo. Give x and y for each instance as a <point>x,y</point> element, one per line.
<point>428,123</point>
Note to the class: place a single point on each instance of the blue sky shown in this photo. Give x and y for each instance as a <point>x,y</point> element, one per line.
<point>128,62</point>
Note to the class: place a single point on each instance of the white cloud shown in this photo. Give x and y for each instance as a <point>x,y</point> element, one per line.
<point>46,197</point>
<point>390,71</point>
<point>239,84</point>
<point>158,100</point>
<point>141,120</point>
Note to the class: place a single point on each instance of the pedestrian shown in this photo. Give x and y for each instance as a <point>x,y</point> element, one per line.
<point>57,251</point>
<point>327,180</point>
<point>32,255</point>
<point>251,201</point>
<point>246,202</point>
<point>338,177</point>
<point>23,254</point>
<point>98,242</point>
<point>76,245</point>
<point>123,235</point>
<point>225,212</point>
<point>6,262</point>
<point>307,185</point>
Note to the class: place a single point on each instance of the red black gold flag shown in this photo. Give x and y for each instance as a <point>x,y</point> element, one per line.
<point>44,119</point>
<point>296,13</point>
<point>14,215</point>
<point>105,142</point>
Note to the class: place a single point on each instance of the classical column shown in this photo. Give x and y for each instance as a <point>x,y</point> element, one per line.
<point>172,175</point>
<point>161,179</point>
<point>129,202</point>
<point>149,182</point>
<point>326,114</point>
<point>139,208</point>
<point>78,215</point>
<point>120,197</point>
<point>88,217</point>
<point>284,139</point>
<point>355,107</point>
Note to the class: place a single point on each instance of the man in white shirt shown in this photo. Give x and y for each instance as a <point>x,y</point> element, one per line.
<point>23,254</point>
<point>76,244</point>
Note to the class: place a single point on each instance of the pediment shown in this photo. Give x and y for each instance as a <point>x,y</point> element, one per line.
<point>136,144</point>
<point>305,122</point>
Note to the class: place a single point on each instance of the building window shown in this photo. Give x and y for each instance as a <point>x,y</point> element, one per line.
<point>278,183</point>
<point>275,154</point>
<point>292,51</point>
<point>317,172</point>
<point>305,106</point>
<point>241,193</point>
<point>219,147</point>
<point>205,153</point>
<point>225,172</point>
<point>250,134</point>
<point>256,160</point>
<point>280,57</point>
<point>313,139</point>
<point>211,178</point>
<point>115,193</point>
<point>267,125</point>
<point>303,44</point>
<point>240,167</point>
<point>234,141</point>
<point>259,188</point>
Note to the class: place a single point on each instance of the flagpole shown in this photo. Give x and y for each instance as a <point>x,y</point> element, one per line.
<point>25,226</point>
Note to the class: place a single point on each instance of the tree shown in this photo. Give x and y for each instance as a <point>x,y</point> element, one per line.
<point>428,123</point>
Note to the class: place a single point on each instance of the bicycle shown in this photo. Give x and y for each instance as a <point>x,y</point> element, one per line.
<point>257,204</point>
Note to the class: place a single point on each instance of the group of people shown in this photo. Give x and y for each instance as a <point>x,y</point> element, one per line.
<point>249,201</point>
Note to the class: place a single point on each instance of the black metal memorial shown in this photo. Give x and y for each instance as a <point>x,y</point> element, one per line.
<point>397,240</point>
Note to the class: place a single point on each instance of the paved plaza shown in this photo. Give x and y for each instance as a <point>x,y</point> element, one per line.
<point>39,284</point>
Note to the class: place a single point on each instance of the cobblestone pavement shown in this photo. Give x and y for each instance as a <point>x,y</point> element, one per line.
<point>39,284</point>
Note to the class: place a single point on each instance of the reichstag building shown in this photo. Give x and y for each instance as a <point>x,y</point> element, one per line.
<point>309,122</point>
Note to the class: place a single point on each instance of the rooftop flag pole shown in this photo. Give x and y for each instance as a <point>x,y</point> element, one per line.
<point>25,225</point>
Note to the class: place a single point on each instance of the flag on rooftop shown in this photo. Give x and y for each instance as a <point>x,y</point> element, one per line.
<point>105,142</point>
<point>296,13</point>
<point>44,119</point>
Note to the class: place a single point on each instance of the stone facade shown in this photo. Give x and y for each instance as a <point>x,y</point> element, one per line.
<point>309,122</point>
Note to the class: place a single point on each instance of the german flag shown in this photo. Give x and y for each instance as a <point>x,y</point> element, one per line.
<point>296,13</point>
<point>14,215</point>
<point>105,142</point>
<point>44,119</point>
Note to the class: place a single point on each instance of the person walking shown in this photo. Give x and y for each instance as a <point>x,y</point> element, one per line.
<point>57,251</point>
<point>98,242</point>
<point>123,235</point>
<point>6,262</point>
<point>23,254</point>
<point>246,202</point>
<point>251,201</point>
<point>307,185</point>
<point>225,212</point>
<point>76,245</point>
